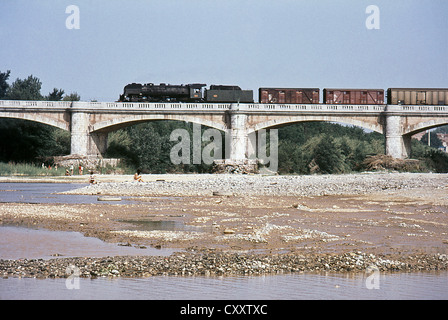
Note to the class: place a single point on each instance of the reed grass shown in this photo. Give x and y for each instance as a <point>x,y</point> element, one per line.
<point>28,169</point>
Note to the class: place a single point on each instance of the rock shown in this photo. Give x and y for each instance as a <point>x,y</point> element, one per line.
<point>222,193</point>
<point>229,231</point>
<point>108,198</point>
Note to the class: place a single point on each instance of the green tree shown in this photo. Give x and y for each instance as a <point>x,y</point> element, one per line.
<point>74,96</point>
<point>4,86</point>
<point>27,141</point>
<point>147,146</point>
<point>27,89</point>
<point>328,156</point>
<point>437,160</point>
<point>442,129</point>
<point>55,95</point>
<point>291,158</point>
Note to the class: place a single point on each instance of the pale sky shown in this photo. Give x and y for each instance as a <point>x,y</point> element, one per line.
<point>250,43</point>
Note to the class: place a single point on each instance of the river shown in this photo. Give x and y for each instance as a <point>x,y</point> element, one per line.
<point>20,242</point>
<point>397,286</point>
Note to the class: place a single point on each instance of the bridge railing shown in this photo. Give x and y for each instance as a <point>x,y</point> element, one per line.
<point>34,104</point>
<point>249,107</point>
<point>312,107</point>
<point>152,106</point>
<point>258,107</point>
<point>417,108</point>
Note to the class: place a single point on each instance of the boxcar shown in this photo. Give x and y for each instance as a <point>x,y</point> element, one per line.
<point>417,96</point>
<point>288,95</point>
<point>353,96</point>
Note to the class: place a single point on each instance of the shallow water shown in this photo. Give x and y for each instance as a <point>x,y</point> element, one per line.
<point>47,193</point>
<point>164,225</point>
<point>20,242</point>
<point>404,286</point>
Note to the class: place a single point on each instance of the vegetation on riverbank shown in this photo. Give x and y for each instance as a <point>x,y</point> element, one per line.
<point>28,169</point>
<point>304,148</point>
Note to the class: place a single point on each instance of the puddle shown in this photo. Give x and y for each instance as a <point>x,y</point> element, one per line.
<point>21,242</point>
<point>161,225</point>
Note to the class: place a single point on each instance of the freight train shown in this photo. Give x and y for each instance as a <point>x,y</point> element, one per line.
<point>197,92</point>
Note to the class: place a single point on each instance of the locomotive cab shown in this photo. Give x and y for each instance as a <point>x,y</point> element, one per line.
<point>196,92</point>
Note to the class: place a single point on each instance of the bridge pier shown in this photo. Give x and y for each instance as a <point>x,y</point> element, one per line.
<point>82,141</point>
<point>397,145</point>
<point>79,132</point>
<point>97,144</point>
<point>238,144</point>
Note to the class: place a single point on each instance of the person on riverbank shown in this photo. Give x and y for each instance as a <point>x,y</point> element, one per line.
<point>138,177</point>
<point>92,178</point>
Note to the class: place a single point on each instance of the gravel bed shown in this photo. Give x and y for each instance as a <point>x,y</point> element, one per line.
<point>211,263</point>
<point>311,185</point>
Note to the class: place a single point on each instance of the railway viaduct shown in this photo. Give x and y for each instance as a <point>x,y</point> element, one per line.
<point>90,122</point>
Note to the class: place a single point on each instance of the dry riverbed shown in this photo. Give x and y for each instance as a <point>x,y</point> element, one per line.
<point>251,224</point>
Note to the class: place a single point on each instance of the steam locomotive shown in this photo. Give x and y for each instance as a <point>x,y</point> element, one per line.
<point>197,92</point>
<point>136,92</point>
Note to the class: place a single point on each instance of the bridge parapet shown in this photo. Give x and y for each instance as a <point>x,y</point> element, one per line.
<point>221,107</point>
<point>248,107</point>
<point>257,107</point>
<point>34,104</point>
<point>150,106</point>
<point>411,109</point>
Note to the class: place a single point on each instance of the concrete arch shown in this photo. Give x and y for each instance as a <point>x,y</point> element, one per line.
<point>64,125</point>
<point>422,126</point>
<point>117,123</point>
<point>296,119</point>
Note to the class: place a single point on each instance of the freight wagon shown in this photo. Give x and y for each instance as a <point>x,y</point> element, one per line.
<point>353,96</point>
<point>417,96</point>
<point>288,95</point>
